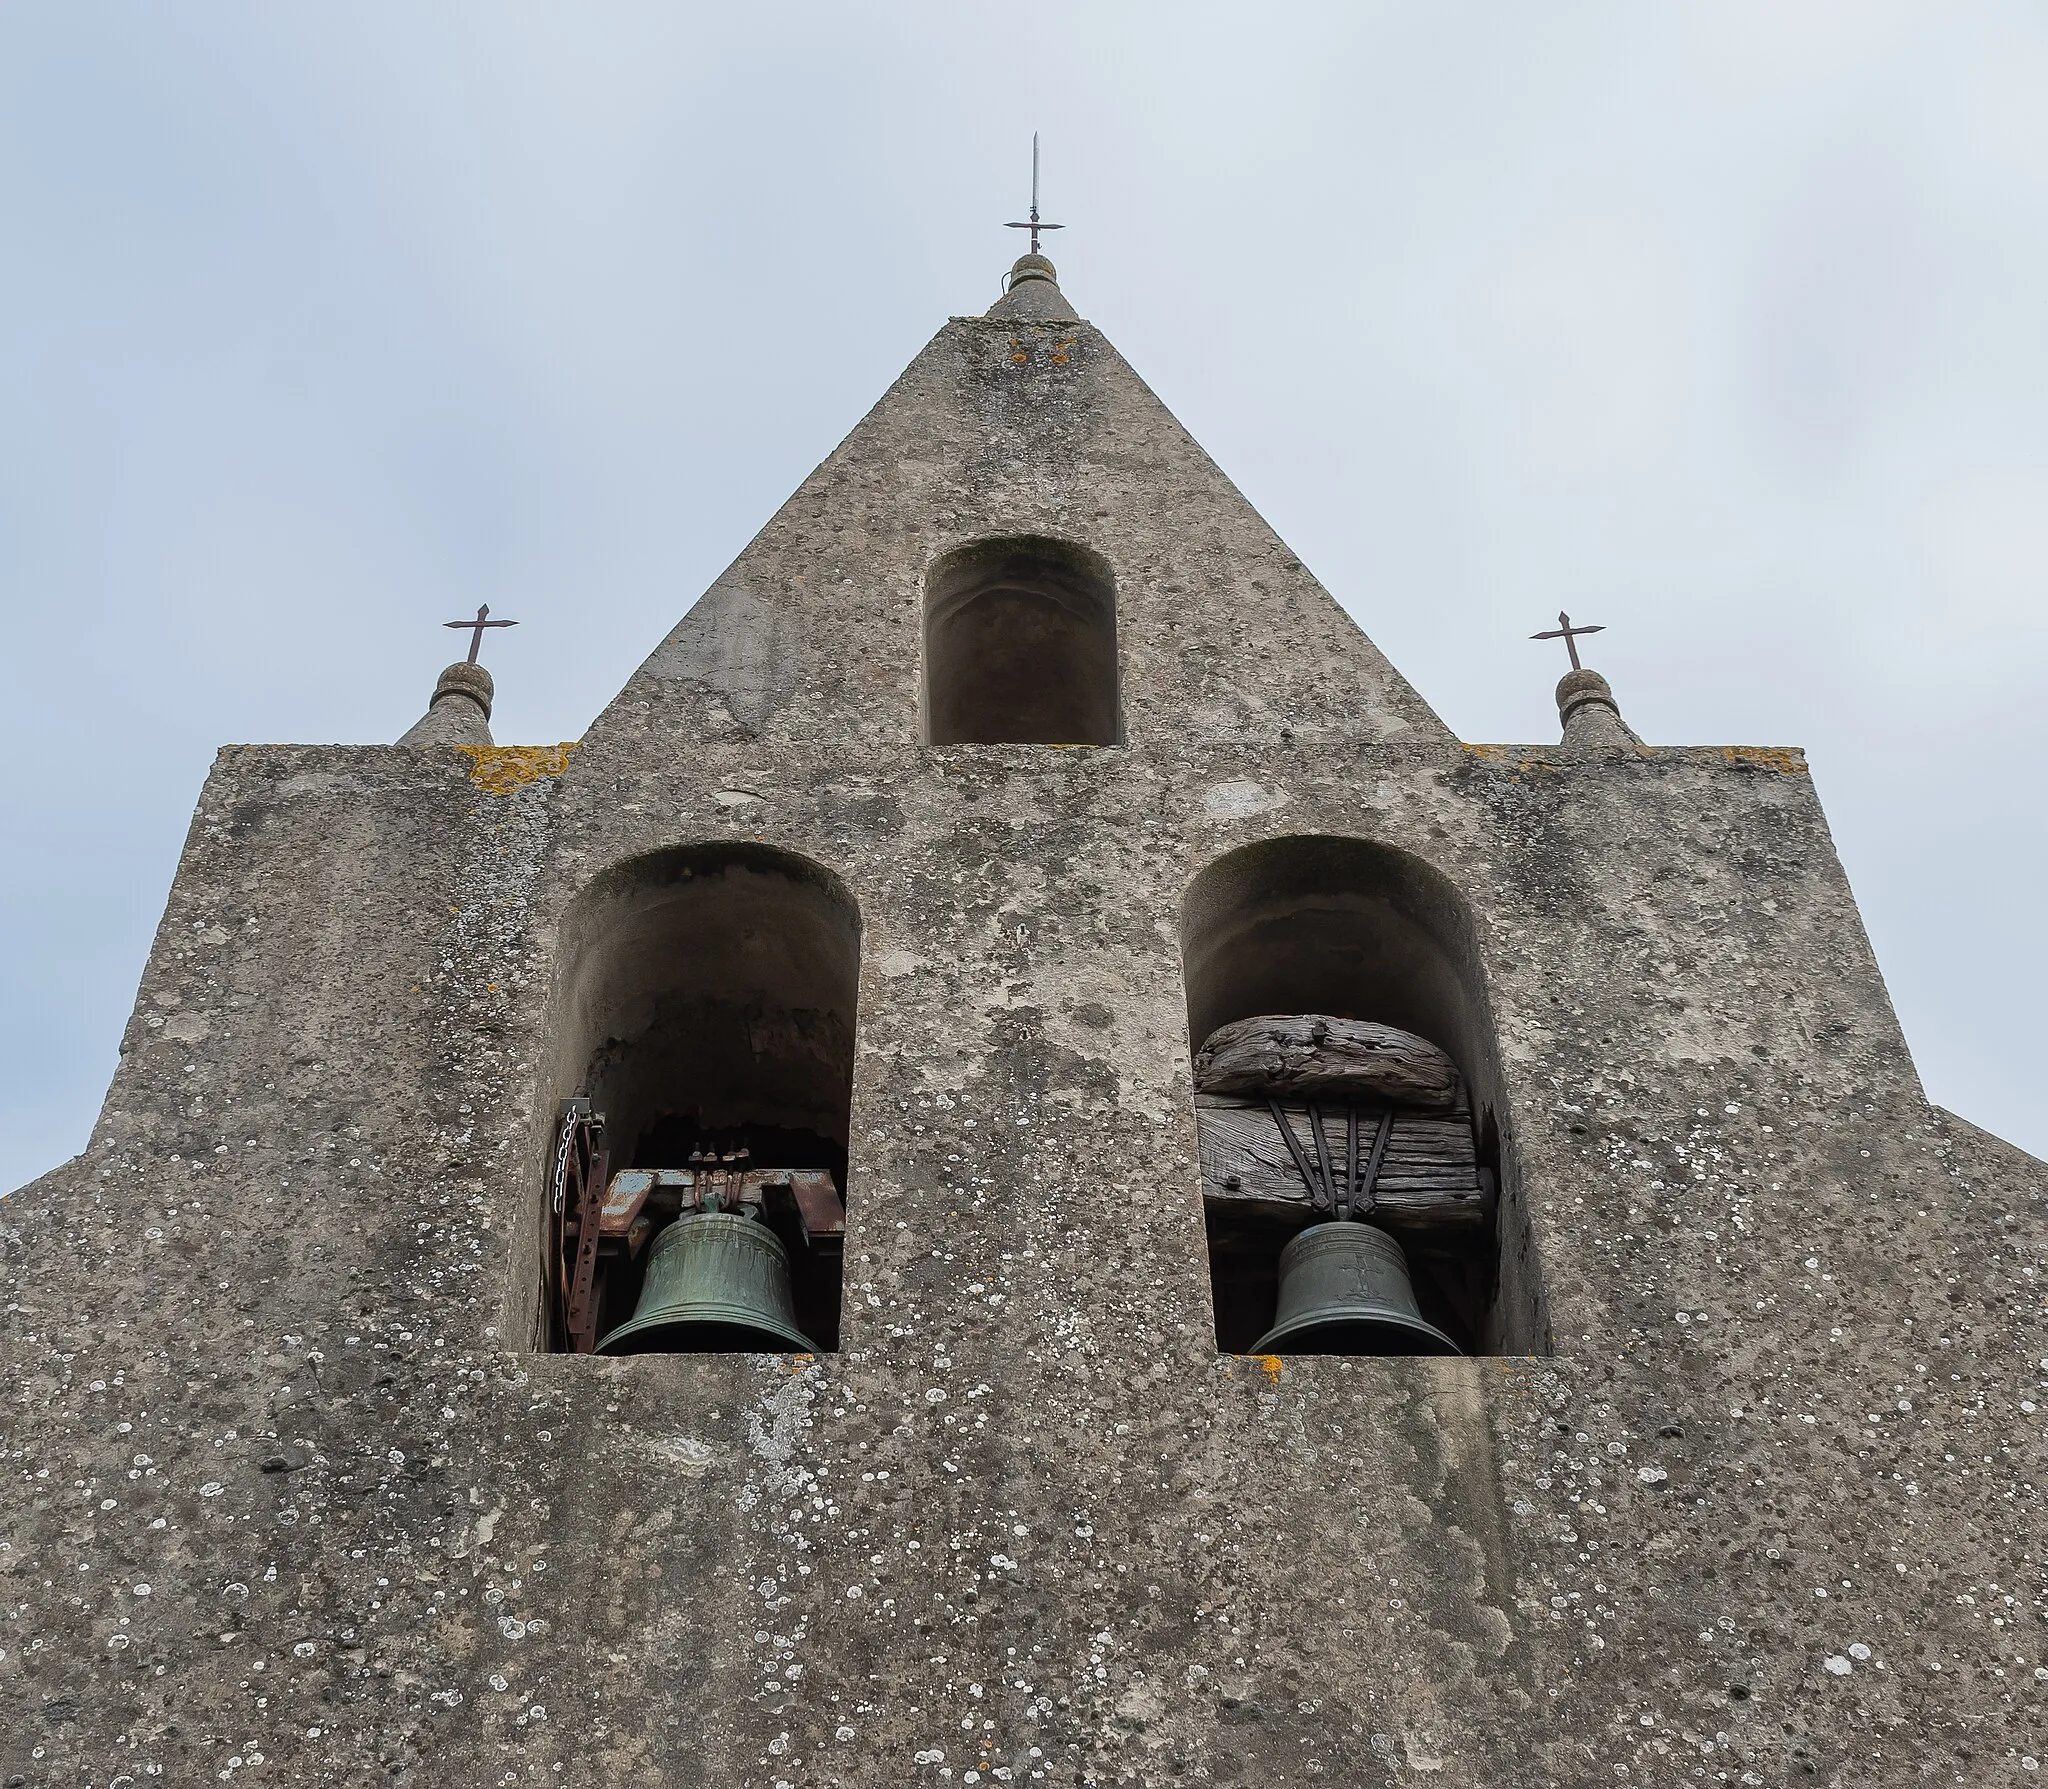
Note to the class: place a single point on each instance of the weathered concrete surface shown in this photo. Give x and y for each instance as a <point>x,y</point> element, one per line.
<point>1759,1503</point>
<point>811,637</point>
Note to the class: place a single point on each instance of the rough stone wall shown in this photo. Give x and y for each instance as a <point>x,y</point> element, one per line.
<point>284,1504</point>
<point>812,636</point>
<point>288,1502</point>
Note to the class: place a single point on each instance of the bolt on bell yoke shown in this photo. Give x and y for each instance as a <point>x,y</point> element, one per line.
<point>717,1282</point>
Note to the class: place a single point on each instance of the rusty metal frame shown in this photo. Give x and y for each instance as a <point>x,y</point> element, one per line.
<point>582,1162</point>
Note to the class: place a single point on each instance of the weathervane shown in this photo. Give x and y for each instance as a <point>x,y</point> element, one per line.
<point>476,627</point>
<point>1569,635</point>
<point>1034,226</point>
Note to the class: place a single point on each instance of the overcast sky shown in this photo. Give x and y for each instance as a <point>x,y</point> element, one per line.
<point>1724,324</point>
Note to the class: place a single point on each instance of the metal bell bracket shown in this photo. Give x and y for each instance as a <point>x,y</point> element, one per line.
<point>1320,1177</point>
<point>582,1164</point>
<point>817,1199</point>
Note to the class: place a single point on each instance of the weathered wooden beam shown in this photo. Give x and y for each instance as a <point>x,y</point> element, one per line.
<point>1428,1181</point>
<point>1315,1056</point>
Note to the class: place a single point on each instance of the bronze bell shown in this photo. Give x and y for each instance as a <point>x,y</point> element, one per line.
<point>717,1282</point>
<point>1344,1289</point>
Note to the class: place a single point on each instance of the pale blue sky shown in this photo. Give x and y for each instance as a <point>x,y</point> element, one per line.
<point>1719,323</point>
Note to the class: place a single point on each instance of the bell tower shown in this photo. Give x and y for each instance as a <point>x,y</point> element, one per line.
<point>1019,1169</point>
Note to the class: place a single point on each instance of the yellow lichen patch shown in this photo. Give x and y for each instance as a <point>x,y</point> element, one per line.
<point>1270,1365</point>
<point>1784,759</point>
<point>1525,764</point>
<point>499,769</point>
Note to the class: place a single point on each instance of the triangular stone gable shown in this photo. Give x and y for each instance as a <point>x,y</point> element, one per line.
<point>1008,425</point>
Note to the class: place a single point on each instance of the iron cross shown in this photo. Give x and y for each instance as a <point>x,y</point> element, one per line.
<point>476,628</point>
<point>1034,226</point>
<point>1569,635</point>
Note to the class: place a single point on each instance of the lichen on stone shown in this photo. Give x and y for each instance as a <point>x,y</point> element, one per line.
<point>500,769</point>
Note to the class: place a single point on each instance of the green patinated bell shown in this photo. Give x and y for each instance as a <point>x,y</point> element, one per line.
<point>717,1283</point>
<point>1344,1289</point>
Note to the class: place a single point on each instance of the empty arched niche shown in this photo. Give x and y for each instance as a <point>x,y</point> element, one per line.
<point>1354,930</point>
<point>703,1008</point>
<point>1020,646</point>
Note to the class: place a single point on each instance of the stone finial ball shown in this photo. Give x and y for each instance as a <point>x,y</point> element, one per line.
<point>1577,687</point>
<point>468,680</point>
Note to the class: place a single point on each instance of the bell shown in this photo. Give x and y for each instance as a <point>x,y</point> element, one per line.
<point>717,1282</point>
<point>1344,1289</point>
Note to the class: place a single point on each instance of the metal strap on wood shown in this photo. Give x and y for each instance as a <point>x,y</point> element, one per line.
<point>1320,1176</point>
<point>1319,1197</point>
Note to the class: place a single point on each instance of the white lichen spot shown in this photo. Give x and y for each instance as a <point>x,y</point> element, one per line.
<point>1240,801</point>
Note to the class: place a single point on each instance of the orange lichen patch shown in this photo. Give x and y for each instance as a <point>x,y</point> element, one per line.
<point>1270,1365</point>
<point>499,769</point>
<point>1784,759</point>
<point>1018,354</point>
<point>1062,352</point>
<point>1525,763</point>
<point>797,1362</point>
<point>1540,762</point>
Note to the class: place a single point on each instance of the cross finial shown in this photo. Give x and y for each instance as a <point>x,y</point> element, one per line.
<point>476,628</point>
<point>1034,226</point>
<point>1569,635</point>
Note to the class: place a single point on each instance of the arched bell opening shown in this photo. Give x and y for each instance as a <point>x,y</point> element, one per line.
<point>1341,983</point>
<point>1020,646</point>
<point>701,1058</point>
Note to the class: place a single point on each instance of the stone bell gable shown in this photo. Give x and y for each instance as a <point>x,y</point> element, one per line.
<point>1013,427</point>
<point>314,1475</point>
